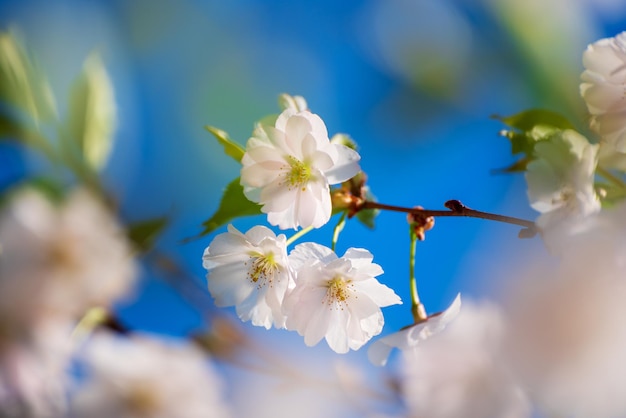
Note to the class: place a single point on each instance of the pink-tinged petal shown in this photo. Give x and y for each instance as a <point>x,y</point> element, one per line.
<point>307,251</point>
<point>276,198</point>
<point>228,285</point>
<point>602,57</point>
<point>337,333</point>
<point>318,127</point>
<point>378,352</point>
<point>265,153</point>
<point>379,293</point>
<point>255,310</point>
<point>298,127</point>
<point>259,176</point>
<point>346,165</point>
<point>281,121</point>
<point>258,233</point>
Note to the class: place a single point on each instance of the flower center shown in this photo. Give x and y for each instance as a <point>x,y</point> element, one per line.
<point>262,269</point>
<point>339,292</point>
<point>299,172</point>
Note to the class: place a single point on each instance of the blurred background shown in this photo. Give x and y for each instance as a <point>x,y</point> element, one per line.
<point>413,82</point>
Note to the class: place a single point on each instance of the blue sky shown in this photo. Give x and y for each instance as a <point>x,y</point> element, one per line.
<point>414,83</point>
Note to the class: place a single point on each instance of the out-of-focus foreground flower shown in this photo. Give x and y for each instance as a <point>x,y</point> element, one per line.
<point>132,377</point>
<point>602,88</point>
<point>409,337</point>
<point>460,372</point>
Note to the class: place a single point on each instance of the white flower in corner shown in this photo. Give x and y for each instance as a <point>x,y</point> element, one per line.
<point>602,88</point>
<point>249,271</point>
<point>560,181</point>
<point>411,336</point>
<point>60,260</point>
<point>139,376</point>
<point>462,372</point>
<point>336,298</point>
<point>288,167</point>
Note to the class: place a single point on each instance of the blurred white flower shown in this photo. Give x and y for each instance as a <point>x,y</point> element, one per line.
<point>250,272</point>
<point>567,337</point>
<point>296,103</point>
<point>561,179</point>
<point>460,371</point>
<point>602,88</point>
<point>287,168</point>
<point>59,260</point>
<point>336,298</point>
<point>141,377</point>
<point>33,372</point>
<point>411,336</point>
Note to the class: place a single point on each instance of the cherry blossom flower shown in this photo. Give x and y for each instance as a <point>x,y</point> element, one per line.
<point>60,260</point>
<point>602,88</point>
<point>560,181</point>
<point>409,337</point>
<point>288,167</point>
<point>567,337</point>
<point>335,298</point>
<point>460,372</point>
<point>139,376</point>
<point>250,272</point>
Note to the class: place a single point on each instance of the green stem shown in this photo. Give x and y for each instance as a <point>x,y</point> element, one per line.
<point>611,177</point>
<point>417,308</point>
<point>337,230</point>
<point>299,234</point>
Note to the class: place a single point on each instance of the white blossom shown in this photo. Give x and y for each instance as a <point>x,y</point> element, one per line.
<point>409,337</point>
<point>60,260</point>
<point>335,298</point>
<point>460,371</point>
<point>250,272</point>
<point>142,377</point>
<point>602,87</point>
<point>288,167</point>
<point>568,340</point>
<point>561,179</point>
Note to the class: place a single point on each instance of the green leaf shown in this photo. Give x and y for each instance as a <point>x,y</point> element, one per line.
<point>145,233</point>
<point>234,204</point>
<point>526,120</point>
<point>231,148</point>
<point>92,114</point>
<point>22,84</point>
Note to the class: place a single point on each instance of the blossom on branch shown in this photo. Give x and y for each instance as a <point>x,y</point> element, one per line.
<point>288,167</point>
<point>602,88</point>
<point>411,336</point>
<point>249,271</point>
<point>561,179</point>
<point>336,298</point>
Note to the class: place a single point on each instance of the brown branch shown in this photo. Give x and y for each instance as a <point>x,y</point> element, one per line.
<point>456,208</point>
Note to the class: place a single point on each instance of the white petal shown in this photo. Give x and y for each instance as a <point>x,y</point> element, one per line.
<point>346,165</point>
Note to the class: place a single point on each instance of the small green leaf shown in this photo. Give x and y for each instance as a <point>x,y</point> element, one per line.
<point>526,120</point>
<point>143,234</point>
<point>231,148</point>
<point>234,204</point>
<point>22,84</point>
<point>92,115</point>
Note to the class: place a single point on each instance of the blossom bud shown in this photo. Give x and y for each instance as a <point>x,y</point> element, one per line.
<point>420,223</point>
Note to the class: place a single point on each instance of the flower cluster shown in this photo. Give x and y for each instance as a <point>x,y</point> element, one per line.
<point>311,290</point>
